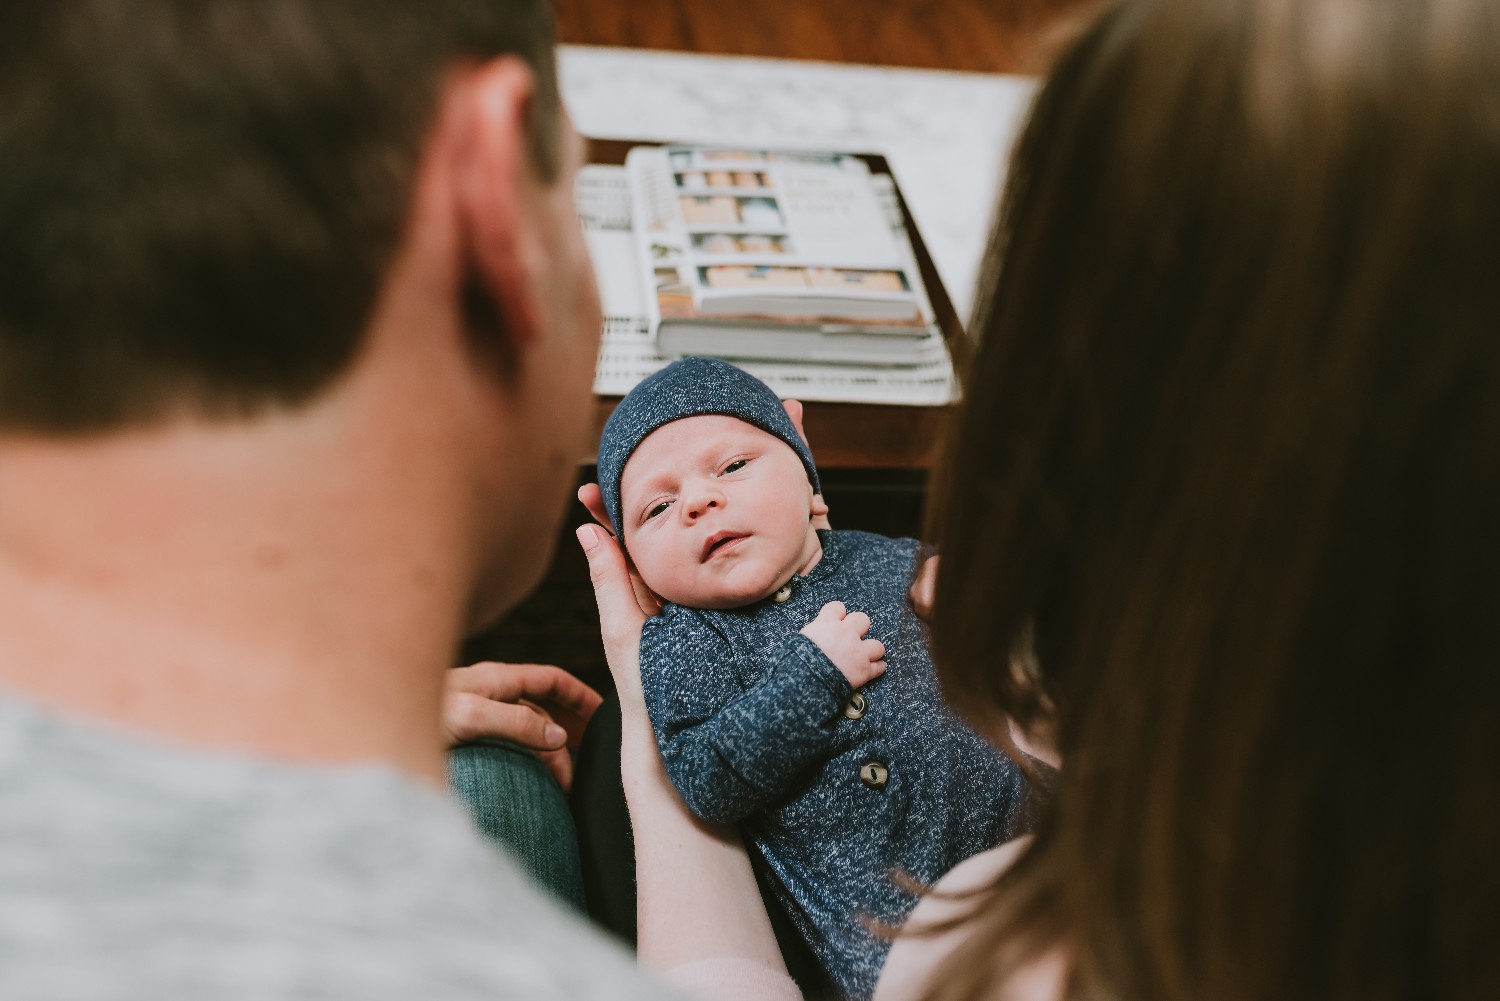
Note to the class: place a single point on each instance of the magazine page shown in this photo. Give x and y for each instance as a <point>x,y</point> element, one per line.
<point>786,235</point>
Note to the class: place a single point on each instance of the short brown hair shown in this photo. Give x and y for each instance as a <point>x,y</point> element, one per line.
<point>198,199</point>
<point>1230,456</point>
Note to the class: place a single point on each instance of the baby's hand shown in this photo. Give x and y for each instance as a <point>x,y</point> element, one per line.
<point>840,635</point>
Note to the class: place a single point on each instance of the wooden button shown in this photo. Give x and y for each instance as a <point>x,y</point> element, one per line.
<point>783,594</point>
<point>856,706</point>
<point>874,774</point>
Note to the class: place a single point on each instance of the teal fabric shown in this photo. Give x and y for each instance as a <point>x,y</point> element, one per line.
<point>519,806</point>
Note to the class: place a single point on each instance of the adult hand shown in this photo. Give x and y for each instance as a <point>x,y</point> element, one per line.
<point>924,588</point>
<point>696,895</point>
<point>624,602</point>
<point>538,706</point>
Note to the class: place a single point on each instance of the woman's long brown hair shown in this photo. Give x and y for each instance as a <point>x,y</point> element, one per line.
<point>1229,470</point>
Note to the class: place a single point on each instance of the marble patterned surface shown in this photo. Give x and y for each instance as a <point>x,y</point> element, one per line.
<point>946,135</point>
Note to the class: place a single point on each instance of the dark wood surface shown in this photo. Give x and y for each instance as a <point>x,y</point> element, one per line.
<point>874,471</point>
<point>988,36</point>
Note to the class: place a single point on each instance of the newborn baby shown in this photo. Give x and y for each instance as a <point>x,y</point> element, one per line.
<point>788,678</point>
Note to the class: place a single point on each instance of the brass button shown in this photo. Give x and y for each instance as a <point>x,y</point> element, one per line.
<point>874,774</point>
<point>783,594</point>
<point>856,706</point>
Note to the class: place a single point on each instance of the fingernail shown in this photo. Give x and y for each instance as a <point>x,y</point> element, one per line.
<point>587,537</point>
<point>555,734</point>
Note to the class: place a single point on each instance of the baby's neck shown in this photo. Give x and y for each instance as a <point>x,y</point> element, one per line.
<point>814,557</point>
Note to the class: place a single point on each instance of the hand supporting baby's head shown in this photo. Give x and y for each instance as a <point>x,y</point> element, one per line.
<point>710,485</point>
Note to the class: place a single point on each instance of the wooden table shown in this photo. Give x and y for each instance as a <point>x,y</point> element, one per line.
<point>873,460</point>
<point>985,36</point>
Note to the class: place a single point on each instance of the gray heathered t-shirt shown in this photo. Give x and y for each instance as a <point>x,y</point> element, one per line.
<point>131,869</point>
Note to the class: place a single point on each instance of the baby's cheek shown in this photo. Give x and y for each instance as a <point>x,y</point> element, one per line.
<point>655,572</point>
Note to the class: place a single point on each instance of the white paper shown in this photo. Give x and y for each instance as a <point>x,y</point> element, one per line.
<point>946,135</point>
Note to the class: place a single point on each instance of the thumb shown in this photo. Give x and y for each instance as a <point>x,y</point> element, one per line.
<point>620,611</point>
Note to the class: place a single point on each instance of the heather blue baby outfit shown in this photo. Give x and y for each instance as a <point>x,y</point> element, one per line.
<point>833,790</point>
<point>754,724</point>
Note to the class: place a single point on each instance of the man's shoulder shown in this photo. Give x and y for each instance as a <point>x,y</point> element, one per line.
<point>135,870</point>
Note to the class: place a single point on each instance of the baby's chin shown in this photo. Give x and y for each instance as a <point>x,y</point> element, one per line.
<point>735,591</point>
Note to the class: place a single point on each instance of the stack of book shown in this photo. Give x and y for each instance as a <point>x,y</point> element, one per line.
<point>777,256</point>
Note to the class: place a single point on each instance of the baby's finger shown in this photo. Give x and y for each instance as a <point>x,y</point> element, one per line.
<point>833,610</point>
<point>877,668</point>
<point>858,621</point>
<point>874,649</point>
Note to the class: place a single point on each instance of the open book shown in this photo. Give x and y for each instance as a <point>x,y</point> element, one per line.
<point>788,256</point>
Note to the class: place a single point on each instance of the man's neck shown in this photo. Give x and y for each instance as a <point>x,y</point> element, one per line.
<point>250,588</point>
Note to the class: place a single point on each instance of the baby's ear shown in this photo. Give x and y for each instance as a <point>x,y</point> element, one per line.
<point>820,512</point>
<point>794,411</point>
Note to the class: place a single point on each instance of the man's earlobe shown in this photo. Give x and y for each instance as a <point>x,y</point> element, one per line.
<point>495,184</point>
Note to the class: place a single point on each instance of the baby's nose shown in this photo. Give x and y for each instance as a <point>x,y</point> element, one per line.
<point>706,498</point>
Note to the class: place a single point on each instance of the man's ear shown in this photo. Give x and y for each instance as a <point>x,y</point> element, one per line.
<point>497,186</point>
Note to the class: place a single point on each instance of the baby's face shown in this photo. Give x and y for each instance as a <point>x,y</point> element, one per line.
<point>716,512</point>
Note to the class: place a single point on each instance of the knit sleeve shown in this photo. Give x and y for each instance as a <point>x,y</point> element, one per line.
<point>730,751</point>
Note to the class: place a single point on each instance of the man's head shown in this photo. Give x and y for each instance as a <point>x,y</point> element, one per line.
<point>710,485</point>
<point>199,201</point>
<point>348,222</point>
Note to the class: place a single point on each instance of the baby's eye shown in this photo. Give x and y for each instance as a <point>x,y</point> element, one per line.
<point>733,466</point>
<point>658,509</point>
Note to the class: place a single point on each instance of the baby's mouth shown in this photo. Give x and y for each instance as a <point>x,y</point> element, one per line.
<point>718,542</point>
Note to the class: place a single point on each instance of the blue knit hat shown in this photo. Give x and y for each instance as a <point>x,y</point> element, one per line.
<point>690,387</point>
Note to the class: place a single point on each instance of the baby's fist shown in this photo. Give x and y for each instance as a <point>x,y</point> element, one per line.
<point>840,634</point>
